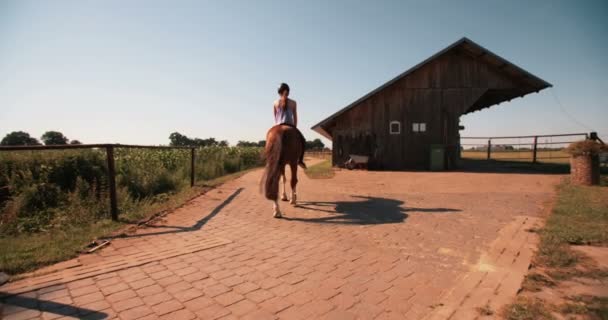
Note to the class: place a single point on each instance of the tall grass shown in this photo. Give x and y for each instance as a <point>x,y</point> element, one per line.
<point>45,190</point>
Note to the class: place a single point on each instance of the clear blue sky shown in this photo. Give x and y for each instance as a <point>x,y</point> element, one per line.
<point>135,71</point>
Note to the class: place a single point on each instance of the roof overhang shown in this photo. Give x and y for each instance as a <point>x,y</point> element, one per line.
<point>528,82</point>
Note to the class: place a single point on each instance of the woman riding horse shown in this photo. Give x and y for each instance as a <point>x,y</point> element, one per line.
<point>284,146</point>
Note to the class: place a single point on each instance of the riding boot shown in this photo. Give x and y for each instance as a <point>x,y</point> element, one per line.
<point>301,161</point>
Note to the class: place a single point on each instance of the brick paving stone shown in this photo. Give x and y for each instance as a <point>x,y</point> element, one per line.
<point>136,313</point>
<point>177,287</point>
<point>161,274</point>
<point>195,276</point>
<point>246,287</point>
<point>88,298</point>
<point>122,295</point>
<point>127,304</point>
<point>259,295</point>
<point>84,290</point>
<point>188,294</point>
<point>282,290</point>
<point>321,261</point>
<point>149,290</point>
<point>268,283</point>
<point>216,290</point>
<point>276,304</point>
<point>185,271</point>
<point>97,305</point>
<point>138,284</point>
<point>80,283</point>
<point>242,307</point>
<point>212,312</point>
<point>155,299</point>
<point>23,315</point>
<point>167,307</point>
<point>232,280</point>
<point>259,314</point>
<point>114,288</point>
<point>198,303</point>
<point>167,281</point>
<point>229,298</point>
<point>183,314</point>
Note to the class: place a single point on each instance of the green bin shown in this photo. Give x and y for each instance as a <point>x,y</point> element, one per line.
<point>437,157</point>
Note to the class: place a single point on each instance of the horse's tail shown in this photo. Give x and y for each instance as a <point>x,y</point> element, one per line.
<point>272,172</point>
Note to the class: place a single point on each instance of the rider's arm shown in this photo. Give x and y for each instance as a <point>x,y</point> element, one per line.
<point>295,114</point>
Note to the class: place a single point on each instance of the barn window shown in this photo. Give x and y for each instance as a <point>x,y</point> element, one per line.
<point>419,127</point>
<point>395,127</point>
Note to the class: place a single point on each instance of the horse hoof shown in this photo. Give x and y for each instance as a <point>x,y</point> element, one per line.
<point>284,198</point>
<point>277,215</point>
<point>293,201</point>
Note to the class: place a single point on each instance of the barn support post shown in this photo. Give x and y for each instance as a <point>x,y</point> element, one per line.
<point>112,182</point>
<point>534,149</point>
<point>489,148</point>
<point>192,158</point>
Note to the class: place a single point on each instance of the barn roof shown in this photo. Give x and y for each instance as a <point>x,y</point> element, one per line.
<point>529,82</point>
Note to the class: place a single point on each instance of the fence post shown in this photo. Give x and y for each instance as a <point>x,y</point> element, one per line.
<point>534,149</point>
<point>192,158</point>
<point>489,148</point>
<point>112,182</point>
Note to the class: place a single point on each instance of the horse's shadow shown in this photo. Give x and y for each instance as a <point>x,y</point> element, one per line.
<point>368,210</point>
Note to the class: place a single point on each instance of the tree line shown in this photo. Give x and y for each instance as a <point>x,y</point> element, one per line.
<point>49,138</point>
<point>21,138</point>
<point>316,144</point>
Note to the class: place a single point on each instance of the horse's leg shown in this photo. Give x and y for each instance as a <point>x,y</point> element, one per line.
<point>277,210</point>
<point>284,195</point>
<point>294,182</point>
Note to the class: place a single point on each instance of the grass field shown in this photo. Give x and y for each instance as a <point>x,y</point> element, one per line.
<point>321,170</point>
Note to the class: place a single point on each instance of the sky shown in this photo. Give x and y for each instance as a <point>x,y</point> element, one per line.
<point>133,72</point>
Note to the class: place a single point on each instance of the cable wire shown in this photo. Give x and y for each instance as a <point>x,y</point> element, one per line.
<point>568,115</point>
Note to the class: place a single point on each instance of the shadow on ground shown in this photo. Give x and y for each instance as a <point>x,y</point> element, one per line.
<point>179,229</point>
<point>505,166</point>
<point>368,210</point>
<point>21,303</point>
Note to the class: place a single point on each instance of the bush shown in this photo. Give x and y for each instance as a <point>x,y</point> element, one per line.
<point>586,147</point>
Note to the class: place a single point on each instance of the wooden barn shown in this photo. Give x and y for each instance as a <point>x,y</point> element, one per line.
<point>397,123</point>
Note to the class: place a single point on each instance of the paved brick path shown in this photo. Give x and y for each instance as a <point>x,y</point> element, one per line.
<point>364,245</point>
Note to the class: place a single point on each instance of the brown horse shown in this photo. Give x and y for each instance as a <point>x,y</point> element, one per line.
<point>283,147</point>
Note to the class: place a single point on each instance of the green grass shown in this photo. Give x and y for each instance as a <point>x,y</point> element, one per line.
<point>585,304</point>
<point>580,216</point>
<point>28,251</point>
<point>527,309</point>
<point>321,170</point>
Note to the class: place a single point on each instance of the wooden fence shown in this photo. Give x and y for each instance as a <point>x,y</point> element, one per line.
<point>533,148</point>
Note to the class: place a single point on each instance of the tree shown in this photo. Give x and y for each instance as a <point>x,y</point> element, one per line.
<point>54,138</point>
<point>242,143</point>
<point>75,142</point>
<point>179,140</point>
<point>316,144</point>
<point>19,138</point>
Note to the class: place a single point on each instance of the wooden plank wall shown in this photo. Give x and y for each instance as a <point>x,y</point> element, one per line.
<point>436,94</point>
